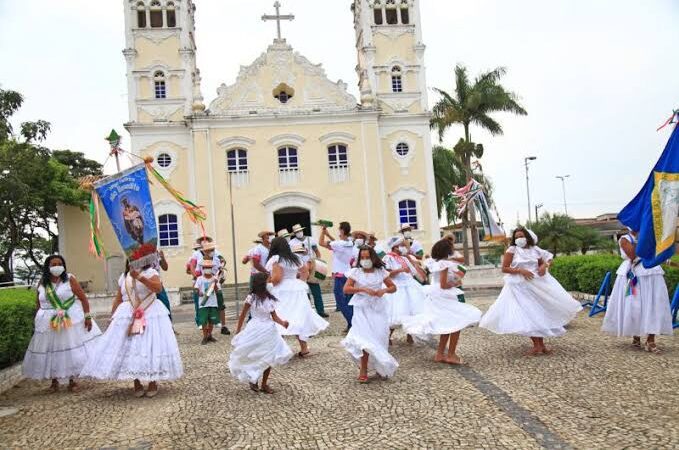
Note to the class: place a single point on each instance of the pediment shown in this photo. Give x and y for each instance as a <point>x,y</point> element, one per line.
<point>257,84</point>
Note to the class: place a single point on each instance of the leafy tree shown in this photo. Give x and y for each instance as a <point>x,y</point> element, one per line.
<point>472,104</point>
<point>78,165</point>
<point>587,238</point>
<point>557,233</point>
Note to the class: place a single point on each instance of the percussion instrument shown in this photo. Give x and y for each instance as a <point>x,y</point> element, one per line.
<point>319,271</point>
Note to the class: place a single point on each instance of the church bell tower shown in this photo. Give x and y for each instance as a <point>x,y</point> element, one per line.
<point>163,82</point>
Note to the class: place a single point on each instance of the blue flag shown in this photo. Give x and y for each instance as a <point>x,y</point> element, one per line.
<point>653,212</point>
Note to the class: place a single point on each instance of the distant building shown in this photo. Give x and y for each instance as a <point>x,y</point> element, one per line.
<point>607,225</point>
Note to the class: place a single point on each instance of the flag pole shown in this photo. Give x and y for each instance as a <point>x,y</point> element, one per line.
<point>233,247</point>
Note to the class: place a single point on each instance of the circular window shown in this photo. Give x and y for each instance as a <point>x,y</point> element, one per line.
<point>164,160</point>
<point>402,149</point>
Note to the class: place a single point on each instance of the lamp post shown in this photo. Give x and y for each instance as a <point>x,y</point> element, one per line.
<point>537,208</point>
<point>563,188</point>
<point>233,246</point>
<point>525,162</point>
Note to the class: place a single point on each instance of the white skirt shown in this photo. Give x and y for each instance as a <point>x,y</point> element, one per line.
<point>294,306</point>
<point>255,349</point>
<point>370,333</point>
<point>59,354</point>
<point>151,356</point>
<point>648,312</point>
<point>408,300</point>
<point>536,308</point>
<point>443,314</point>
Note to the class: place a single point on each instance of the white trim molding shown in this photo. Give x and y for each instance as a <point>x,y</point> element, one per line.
<point>409,193</point>
<point>287,139</point>
<point>337,137</point>
<point>403,161</point>
<point>294,199</point>
<point>171,207</point>
<point>168,147</point>
<point>236,142</point>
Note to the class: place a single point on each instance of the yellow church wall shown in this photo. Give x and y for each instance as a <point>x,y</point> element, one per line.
<point>149,53</point>
<point>387,48</point>
<point>144,88</point>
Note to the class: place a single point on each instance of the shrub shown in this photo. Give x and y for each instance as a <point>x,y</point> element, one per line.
<point>564,269</point>
<point>17,310</point>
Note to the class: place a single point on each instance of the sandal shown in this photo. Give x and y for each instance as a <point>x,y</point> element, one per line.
<point>73,387</point>
<point>54,388</point>
<point>363,379</point>
<point>303,354</point>
<point>651,347</point>
<point>254,387</point>
<point>636,342</point>
<point>266,389</point>
<point>150,393</point>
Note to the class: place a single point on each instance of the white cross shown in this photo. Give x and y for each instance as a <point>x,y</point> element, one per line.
<point>278,17</point>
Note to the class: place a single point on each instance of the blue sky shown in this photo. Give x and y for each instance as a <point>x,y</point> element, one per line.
<point>597,78</point>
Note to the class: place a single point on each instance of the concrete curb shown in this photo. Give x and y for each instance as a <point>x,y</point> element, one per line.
<point>10,377</point>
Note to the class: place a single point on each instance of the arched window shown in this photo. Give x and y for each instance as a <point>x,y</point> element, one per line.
<point>407,213</point>
<point>287,159</point>
<point>171,16</point>
<point>391,12</point>
<point>159,85</point>
<point>141,15</point>
<point>164,160</point>
<point>237,160</point>
<point>405,13</point>
<point>377,11</point>
<point>396,79</point>
<point>402,149</point>
<point>168,230</point>
<point>337,156</point>
<point>156,15</point>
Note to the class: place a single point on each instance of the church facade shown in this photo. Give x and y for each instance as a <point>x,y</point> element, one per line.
<point>284,144</point>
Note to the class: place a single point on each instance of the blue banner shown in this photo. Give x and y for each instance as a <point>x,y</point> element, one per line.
<point>653,212</point>
<point>127,200</point>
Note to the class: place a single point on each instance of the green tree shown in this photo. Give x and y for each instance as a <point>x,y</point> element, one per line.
<point>448,172</point>
<point>587,238</point>
<point>78,165</point>
<point>557,233</point>
<point>472,104</point>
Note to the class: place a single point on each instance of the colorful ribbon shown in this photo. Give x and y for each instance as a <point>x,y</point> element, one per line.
<point>632,282</point>
<point>96,242</point>
<point>669,120</point>
<point>60,320</point>
<point>138,322</point>
<point>196,213</point>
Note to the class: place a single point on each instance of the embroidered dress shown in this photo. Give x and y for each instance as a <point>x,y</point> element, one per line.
<point>443,313</point>
<point>640,311</point>
<point>124,354</point>
<point>370,325</point>
<point>293,304</point>
<point>409,298</point>
<point>537,308</point>
<point>59,352</point>
<point>259,345</point>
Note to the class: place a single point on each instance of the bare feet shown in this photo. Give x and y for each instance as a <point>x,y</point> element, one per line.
<point>152,390</point>
<point>636,342</point>
<point>535,351</point>
<point>439,359</point>
<point>363,379</point>
<point>266,389</point>
<point>454,360</point>
<point>254,387</point>
<point>546,351</point>
<point>138,389</point>
<point>54,387</point>
<point>73,387</point>
<point>409,339</point>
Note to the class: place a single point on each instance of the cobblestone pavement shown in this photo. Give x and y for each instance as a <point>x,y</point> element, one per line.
<point>594,392</point>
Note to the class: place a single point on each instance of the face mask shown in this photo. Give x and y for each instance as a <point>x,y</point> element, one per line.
<point>403,250</point>
<point>366,263</point>
<point>359,242</point>
<point>300,235</point>
<point>521,242</point>
<point>207,272</point>
<point>56,270</point>
<point>350,239</point>
<point>408,234</point>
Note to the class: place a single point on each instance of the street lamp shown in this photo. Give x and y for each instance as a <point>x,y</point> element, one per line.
<point>537,208</point>
<point>563,187</point>
<point>525,162</point>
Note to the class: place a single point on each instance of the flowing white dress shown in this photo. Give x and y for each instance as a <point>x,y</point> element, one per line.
<point>293,303</point>
<point>370,324</point>
<point>150,356</point>
<point>443,313</point>
<point>259,345</point>
<point>537,308</point>
<point>59,354</point>
<point>647,312</point>
<point>409,298</point>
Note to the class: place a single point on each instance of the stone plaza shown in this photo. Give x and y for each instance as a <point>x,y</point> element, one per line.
<point>594,392</point>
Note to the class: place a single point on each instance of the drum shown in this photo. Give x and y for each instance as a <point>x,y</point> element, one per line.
<point>319,271</point>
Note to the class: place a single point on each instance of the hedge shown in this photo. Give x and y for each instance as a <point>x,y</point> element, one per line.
<point>584,273</point>
<point>17,310</point>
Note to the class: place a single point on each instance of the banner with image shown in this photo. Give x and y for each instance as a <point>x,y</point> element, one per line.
<point>126,197</point>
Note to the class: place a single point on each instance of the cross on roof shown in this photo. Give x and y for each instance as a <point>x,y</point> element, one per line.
<point>278,17</point>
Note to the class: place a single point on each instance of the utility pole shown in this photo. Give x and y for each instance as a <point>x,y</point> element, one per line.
<point>537,208</point>
<point>233,247</point>
<point>525,162</point>
<point>563,188</point>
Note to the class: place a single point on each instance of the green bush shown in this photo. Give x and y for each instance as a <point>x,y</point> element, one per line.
<point>564,269</point>
<point>17,310</point>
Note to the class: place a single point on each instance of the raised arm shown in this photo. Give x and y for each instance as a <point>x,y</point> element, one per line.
<point>325,239</point>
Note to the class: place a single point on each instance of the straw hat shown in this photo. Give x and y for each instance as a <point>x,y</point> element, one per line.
<point>207,246</point>
<point>297,227</point>
<point>405,227</point>
<point>283,233</point>
<point>358,233</point>
<point>298,248</point>
<point>264,233</point>
<point>394,241</point>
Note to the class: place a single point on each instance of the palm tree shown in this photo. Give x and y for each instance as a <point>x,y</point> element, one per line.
<point>472,104</point>
<point>557,233</point>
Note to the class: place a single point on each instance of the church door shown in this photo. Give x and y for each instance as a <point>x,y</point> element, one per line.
<point>287,217</point>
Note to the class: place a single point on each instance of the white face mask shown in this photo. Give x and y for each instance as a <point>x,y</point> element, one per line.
<point>207,272</point>
<point>521,242</point>
<point>366,263</point>
<point>359,242</point>
<point>403,250</point>
<point>408,234</point>
<point>300,235</point>
<point>56,271</point>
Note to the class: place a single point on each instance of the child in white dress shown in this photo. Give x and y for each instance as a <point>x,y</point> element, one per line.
<point>65,334</point>
<point>288,285</point>
<point>532,303</point>
<point>139,343</point>
<point>368,339</point>
<point>444,314</point>
<point>260,346</point>
<point>639,304</point>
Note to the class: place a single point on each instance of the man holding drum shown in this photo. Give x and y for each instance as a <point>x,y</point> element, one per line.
<point>317,267</point>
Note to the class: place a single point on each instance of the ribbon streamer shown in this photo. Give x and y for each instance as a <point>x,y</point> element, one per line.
<point>96,242</point>
<point>196,213</point>
<point>669,120</point>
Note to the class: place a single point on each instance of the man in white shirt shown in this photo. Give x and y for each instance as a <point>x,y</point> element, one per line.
<point>414,245</point>
<point>310,252</point>
<point>258,254</point>
<point>342,253</point>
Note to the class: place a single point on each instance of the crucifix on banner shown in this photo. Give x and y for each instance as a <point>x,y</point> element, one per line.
<point>278,18</point>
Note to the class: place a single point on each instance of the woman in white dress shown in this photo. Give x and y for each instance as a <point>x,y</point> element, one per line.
<point>532,303</point>
<point>409,298</point>
<point>288,279</point>
<point>368,339</point>
<point>639,304</point>
<point>139,343</point>
<point>444,314</point>
<point>260,346</point>
<point>65,334</point>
